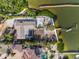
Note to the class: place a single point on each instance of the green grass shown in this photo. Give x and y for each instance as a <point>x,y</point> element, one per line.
<point>67,17</point>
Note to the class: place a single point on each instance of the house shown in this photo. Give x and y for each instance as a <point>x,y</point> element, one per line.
<point>24,28</point>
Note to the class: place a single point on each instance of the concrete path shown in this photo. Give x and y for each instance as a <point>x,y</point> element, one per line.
<point>59,5</point>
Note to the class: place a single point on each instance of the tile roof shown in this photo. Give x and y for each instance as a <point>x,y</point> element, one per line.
<point>24,54</point>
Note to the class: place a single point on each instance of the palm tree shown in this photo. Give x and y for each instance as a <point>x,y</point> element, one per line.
<point>8,38</point>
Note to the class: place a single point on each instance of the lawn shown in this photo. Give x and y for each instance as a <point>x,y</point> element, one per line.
<point>66,17</point>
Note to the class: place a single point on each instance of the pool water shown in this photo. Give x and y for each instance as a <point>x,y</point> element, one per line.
<point>44,56</point>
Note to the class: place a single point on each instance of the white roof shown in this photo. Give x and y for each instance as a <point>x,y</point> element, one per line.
<point>42,19</point>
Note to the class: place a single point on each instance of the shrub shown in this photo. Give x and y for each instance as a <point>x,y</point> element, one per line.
<point>12,6</point>
<point>60,46</point>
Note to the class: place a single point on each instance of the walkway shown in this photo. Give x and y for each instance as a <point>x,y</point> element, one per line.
<point>59,5</point>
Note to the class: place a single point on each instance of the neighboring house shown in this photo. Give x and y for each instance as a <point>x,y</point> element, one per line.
<point>26,53</point>
<point>24,28</point>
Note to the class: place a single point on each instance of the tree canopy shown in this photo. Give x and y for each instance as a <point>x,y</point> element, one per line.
<point>46,12</point>
<point>8,37</point>
<point>12,6</point>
